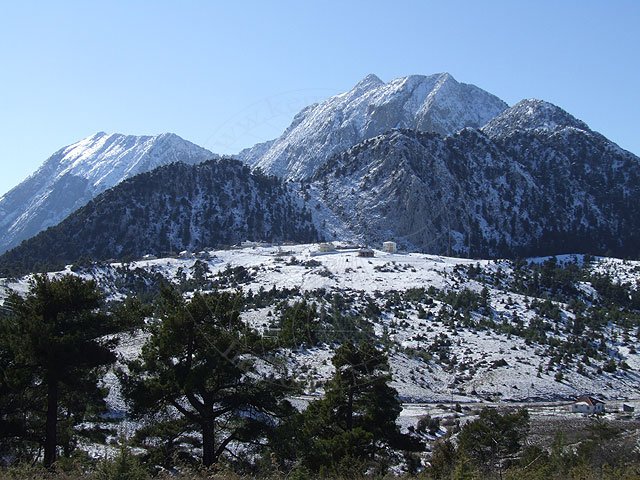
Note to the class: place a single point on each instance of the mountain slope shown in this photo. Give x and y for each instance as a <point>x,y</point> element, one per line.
<point>77,173</point>
<point>532,115</point>
<point>591,183</point>
<point>436,103</point>
<point>456,329</point>
<point>169,209</point>
<point>428,192</point>
<point>534,180</point>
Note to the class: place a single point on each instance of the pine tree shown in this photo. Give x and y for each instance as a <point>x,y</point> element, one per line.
<point>299,325</point>
<point>356,418</point>
<point>360,392</point>
<point>199,363</point>
<point>11,426</point>
<point>493,438</point>
<point>54,339</point>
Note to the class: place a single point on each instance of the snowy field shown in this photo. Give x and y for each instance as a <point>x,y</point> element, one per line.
<point>489,366</point>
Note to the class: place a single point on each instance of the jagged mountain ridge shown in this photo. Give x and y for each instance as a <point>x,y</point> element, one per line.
<point>77,173</point>
<point>435,103</point>
<point>172,208</point>
<point>592,183</point>
<point>533,180</point>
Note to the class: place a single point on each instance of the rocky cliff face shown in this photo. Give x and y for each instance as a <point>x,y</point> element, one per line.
<point>534,180</point>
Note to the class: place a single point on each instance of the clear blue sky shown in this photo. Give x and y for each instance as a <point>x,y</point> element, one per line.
<point>226,75</point>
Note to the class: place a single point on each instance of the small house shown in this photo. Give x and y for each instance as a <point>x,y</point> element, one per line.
<point>628,408</point>
<point>389,247</point>
<point>587,404</point>
<point>185,254</point>
<point>365,252</point>
<point>326,247</point>
<point>149,256</point>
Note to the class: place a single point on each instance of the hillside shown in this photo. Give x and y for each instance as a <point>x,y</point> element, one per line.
<point>172,208</point>
<point>456,329</point>
<point>77,173</point>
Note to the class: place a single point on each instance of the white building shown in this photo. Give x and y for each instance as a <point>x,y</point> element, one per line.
<point>389,247</point>
<point>587,404</point>
<point>326,247</point>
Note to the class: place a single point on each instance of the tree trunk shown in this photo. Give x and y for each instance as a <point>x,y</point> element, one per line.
<point>208,444</point>
<point>51,440</point>
<point>350,409</point>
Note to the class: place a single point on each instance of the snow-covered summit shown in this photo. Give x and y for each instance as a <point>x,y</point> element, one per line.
<point>107,159</point>
<point>368,82</point>
<point>435,103</point>
<point>77,173</point>
<point>532,114</point>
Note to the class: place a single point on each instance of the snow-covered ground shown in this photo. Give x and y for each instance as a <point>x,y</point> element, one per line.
<point>488,365</point>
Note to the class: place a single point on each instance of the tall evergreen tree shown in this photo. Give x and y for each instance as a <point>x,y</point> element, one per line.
<point>359,390</point>
<point>299,325</point>
<point>357,417</point>
<point>54,339</point>
<point>199,362</point>
<point>493,438</point>
<point>11,426</point>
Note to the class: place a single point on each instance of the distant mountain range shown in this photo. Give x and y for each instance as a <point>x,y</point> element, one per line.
<point>437,165</point>
<point>534,180</point>
<point>77,173</point>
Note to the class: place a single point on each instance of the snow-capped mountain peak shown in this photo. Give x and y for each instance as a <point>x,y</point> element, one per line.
<point>436,103</point>
<point>77,173</point>
<point>532,114</point>
<point>370,81</point>
<point>109,158</point>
